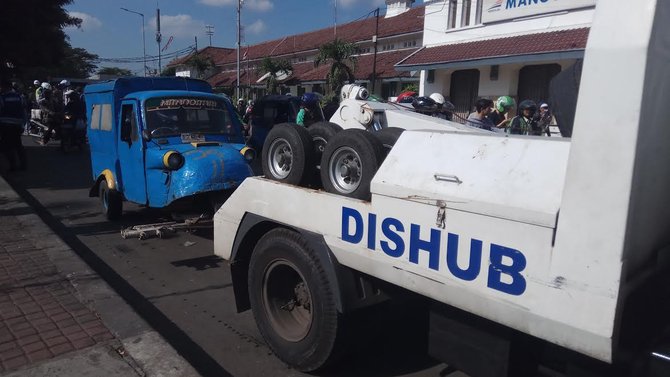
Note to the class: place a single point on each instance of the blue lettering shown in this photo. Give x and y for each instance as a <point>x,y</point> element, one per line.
<point>510,4</point>
<point>432,246</point>
<point>372,231</point>
<point>522,2</point>
<point>393,236</point>
<point>357,236</point>
<point>497,268</point>
<point>474,265</point>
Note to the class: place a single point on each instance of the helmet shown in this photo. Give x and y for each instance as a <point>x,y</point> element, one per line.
<point>438,98</point>
<point>309,99</point>
<point>64,83</point>
<point>424,103</point>
<point>36,82</point>
<point>529,105</point>
<point>504,103</point>
<point>46,86</point>
<point>70,93</point>
<point>240,100</point>
<point>406,97</point>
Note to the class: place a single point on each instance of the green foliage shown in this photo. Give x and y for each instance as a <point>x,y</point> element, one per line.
<point>274,68</point>
<point>169,71</point>
<point>114,71</point>
<point>409,88</point>
<point>77,63</point>
<point>32,34</point>
<point>343,62</point>
<point>200,63</point>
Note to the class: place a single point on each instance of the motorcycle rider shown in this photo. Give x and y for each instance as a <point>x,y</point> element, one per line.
<point>74,119</point>
<point>51,111</point>
<point>12,119</point>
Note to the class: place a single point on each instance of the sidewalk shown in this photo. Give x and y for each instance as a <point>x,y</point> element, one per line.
<point>59,318</point>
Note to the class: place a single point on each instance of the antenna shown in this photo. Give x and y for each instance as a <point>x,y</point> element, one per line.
<point>209,30</point>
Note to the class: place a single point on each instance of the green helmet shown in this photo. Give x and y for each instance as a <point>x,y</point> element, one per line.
<point>504,103</point>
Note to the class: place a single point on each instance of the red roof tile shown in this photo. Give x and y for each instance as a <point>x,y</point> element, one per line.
<point>555,41</point>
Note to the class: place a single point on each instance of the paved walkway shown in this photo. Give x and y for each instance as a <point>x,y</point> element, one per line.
<point>55,313</point>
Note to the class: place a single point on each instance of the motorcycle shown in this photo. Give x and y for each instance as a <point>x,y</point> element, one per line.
<point>72,133</point>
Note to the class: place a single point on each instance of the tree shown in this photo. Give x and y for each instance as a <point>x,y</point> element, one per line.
<point>77,63</point>
<point>273,68</point>
<point>114,71</point>
<point>200,63</point>
<point>169,71</point>
<point>340,54</point>
<point>33,34</point>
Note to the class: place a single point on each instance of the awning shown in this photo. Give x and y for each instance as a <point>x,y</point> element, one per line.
<point>548,46</point>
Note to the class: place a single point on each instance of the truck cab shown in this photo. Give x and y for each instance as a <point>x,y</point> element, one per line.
<point>163,143</point>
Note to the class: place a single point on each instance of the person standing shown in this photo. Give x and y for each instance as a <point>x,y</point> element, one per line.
<point>500,114</point>
<point>12,120</point>
<point>524,123</point>
<point>479,118</point>
<point>544,119</point>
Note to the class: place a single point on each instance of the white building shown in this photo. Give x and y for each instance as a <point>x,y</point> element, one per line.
<point>489,48</point>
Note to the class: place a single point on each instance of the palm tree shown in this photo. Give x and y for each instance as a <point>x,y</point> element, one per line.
<point>273,68</point>
<point>201,64</point>
<point>340,53</point>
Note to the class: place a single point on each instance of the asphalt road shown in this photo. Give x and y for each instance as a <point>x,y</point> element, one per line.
<point>185,292</point>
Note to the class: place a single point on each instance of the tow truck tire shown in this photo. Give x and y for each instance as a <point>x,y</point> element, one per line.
<point>321,133</point>
<point>288,154</point>
<point>388,137</point>
<point>349,162</point>
<point>112,204</point>
<point>292,302</point>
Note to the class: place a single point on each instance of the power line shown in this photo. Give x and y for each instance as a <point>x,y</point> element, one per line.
<point>149,58</point>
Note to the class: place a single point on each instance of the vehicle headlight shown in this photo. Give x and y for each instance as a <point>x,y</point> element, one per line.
<point>173,160</point>
<point>248,153</point>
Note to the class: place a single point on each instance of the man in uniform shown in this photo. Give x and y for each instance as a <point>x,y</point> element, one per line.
<point>12,119</point>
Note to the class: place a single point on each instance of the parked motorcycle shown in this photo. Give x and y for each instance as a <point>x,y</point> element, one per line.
<point>72,133</point>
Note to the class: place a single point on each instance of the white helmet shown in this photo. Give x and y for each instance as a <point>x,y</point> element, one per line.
<point>36,82</point>
<point>46,85</point>
<point>438,98</point>
<point>64,83</point>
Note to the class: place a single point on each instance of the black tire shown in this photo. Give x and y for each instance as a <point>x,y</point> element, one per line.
<point>349,162</point>
<point>388,137</point>
<point>293,303</point>
<point>321,133</point>
<point>112,203</point>
<point>288,154</point>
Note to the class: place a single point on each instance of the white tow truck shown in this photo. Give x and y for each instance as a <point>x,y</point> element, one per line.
<point>522,246</point>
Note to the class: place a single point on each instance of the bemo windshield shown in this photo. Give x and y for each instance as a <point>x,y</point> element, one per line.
<point>172,116</point>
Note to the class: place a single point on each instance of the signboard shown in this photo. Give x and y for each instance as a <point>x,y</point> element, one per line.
<point>497,10</point>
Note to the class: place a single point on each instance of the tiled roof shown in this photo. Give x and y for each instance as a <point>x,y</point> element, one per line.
<point>216,53</point>
<point>539,43</point>
<point>409,22</point>
<point>305,72</point>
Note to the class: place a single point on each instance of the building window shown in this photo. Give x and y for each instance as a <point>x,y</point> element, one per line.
<point>478,12</point>
<point>465,13</point>
<point>409,44</point>
<point>388,47</point>
<point>451,21</point>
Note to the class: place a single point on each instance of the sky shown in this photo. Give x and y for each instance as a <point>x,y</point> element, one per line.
<point>113,33</point>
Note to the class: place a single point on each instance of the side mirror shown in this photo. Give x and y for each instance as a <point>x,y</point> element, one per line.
<point>146,135</point>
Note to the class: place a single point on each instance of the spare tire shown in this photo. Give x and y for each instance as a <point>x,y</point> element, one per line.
<point>288,154</point>
<point>388,136</point>
<point>349,162</point>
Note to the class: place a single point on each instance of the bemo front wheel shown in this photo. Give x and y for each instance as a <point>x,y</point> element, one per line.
<point>292,302</point>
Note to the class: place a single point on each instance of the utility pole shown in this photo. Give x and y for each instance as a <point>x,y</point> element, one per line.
<point>374,56</point>
<point>239,38</point>
<point>159,37</point>
<point>335,18</point>
<point>209,30</point>
<point>144,45</point>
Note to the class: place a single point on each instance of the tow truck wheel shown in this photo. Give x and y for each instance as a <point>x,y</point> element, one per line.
<point>112,204</point>
<point>349,162</point>
<point>292,302</point>
<point>388,136</point>
<point>287,154</point>
<point>321,133</point>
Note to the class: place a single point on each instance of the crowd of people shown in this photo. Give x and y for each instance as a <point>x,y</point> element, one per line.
<point>55,103</point>
<point>495,116</point>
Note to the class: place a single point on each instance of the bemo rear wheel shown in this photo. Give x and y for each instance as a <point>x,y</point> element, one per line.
<point>112,203</point>
<point>292,302</point>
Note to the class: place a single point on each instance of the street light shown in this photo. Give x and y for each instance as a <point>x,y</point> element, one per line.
<point>144,49</point>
